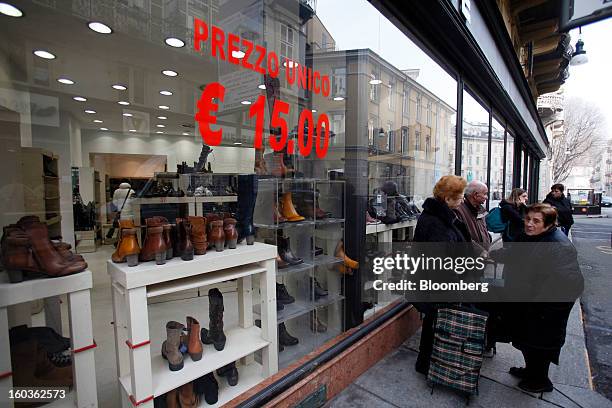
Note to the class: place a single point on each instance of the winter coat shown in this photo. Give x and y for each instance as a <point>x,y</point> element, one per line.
<point>514,216</point>
<point>564,209</point>
<point>438,223</point>
<point>546,268</point>
<point>474,219</point>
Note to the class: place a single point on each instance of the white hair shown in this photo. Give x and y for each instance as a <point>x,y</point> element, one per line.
<point>475,186</point>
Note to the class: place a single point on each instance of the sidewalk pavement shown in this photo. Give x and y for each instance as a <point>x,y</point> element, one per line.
<point>392,382</point>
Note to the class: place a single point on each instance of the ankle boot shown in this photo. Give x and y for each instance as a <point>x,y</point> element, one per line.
<point>248,186</point>
<point>194,345</point>
<point>167,233</point>
<point>288,210</point>
<point>348,262</point>
<point>230,372</point>
<point>172,399</point>
<point>230,233</point>
<point>154,247</point>
<point>284,338</point>
<point>123,224</point>
<point>17,257</point>
<point>32,367</point>
<point>187,397</point>
<point>316,290</point>
<point>208,386</point>
<point>282,295</point>
<point>315,325</point>
<point>285,252</point>
<point>280,264</point>
<point>184,246</point>
<point>171,346</point>
<point>63,248</point>
<point>215,333</point>
<point>277,216</point>
<point>198,234</point>
<point>128,249</point>
<point>217,235</point>
<point>49,260</point>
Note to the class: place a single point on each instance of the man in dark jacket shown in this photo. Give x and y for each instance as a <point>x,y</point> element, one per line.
<point>473,214</point>
<point>557,199</point>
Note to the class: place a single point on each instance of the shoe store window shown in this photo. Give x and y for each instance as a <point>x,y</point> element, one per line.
<point>475,139</point>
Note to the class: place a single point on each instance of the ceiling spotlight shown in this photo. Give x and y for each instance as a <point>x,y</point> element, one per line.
<point>175,42</point>
<point>238,54</point>
<point>100,28</point>
<point>103,128</point>
<point>44,54</point>
<point>169,72</point>
<point>132,130</point>
<point>124,103</point>
<point>262,86</point>
<point>10,10</point>
<point>290,64</point>
<point>90,111</point>
<point>119,87</point>
<point>98,121</point>
<point>166,93</point>
<point>314,111</point>
<point>163,107</point>
<point>65,81</point>
<point>338,98</point>
<point>161,126</point>
<point>162,117</point>
<point>375,81</point>
<point>246,102</point>
<point>185,133</point>
<point>159,131</point>
<point>79,99</point>
<point>237,143</point>
<point>128,115</point>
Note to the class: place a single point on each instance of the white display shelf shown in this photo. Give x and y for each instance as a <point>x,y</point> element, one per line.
<point>248,377</point>
<point>149,273</point>
<point>320,260</point>
<point>185,200</point>
<point>77,290</point>
<point>284,225</point>
<point>378,228</point>
<point>240,343</point>
<point>301,307</point>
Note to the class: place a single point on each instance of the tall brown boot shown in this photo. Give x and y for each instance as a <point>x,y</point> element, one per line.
<point>198,234</point>
<point>187,397</point>
<point>194,344</point>
<point>184,244</point>
<point>172,399</point>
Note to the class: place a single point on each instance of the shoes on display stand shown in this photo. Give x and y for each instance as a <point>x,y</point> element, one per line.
<point>285,252</point>
<point>316,290</point>
<point>288,209</point>
<point>230,372</point>
<point>198,235</point>
<point>217,235</point>
<point>348,264</point>
<point>184,247</point>
<point>187,397</point>
<point>230,232</point>
<point>154,247</point>
<point>207,386</point>
<point>167,233</point>
<point>128,248</point>
<point>284,337</point>
<point>282,295</point>
<point>194,344</point>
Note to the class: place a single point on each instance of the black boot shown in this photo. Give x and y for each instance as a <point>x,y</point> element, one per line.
<point>215,312</point>
<point>208,386</point>
<point>285,252</point>
<point>230,372</point>
<point>316,289</point>
<point>284,338</point>
<point>247,195</point>
<point>282,295</point>
<point>200,166</point>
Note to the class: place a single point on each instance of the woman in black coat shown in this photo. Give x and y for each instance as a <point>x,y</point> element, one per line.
<point>557,199</point>
<point>542,272</point>
<point>512,213</point>
<point>439,223</point>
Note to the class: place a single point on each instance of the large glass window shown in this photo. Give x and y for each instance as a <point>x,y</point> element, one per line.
<point>496,174</point>
<point>475,139</point>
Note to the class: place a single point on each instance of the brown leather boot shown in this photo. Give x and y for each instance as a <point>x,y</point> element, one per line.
<point>64,250</point>
<point>123,223</point>
<point>348,264</point>
<point>217,235</point>
<point>194,344</point>
<point>171,346</point>
<point>154,247</point>
<point>172,399</point>
<point>32,367</point>
<point>128,249</point>
<point>188,398</point>
<point>231,234</point>
<point>184,245</point>
<point>167,233</point>
<point>288,210</point>
<point>198,234</point>
<point>49,260</point>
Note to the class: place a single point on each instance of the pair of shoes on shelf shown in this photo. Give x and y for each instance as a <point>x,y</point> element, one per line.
<point>27,249</point>
<point>222,231</point>
<point>189,395</point>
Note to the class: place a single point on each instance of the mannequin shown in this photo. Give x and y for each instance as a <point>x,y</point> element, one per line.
<point>120,194</point>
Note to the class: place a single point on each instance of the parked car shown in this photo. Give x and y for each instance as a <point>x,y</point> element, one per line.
<point>606,201</point>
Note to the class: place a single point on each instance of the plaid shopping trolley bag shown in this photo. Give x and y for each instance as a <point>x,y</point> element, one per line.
<point>458,347</point>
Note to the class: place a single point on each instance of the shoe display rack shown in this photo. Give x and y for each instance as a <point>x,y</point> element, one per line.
<point>40,178</point>
<point>304,218</point>
<point>77,288</point>
<point>142,372</point>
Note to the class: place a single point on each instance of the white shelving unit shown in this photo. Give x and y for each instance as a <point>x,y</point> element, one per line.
<point>77,288</point>
<point>385,232</point>
<point>191,201</point>
<point>144,376</point>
